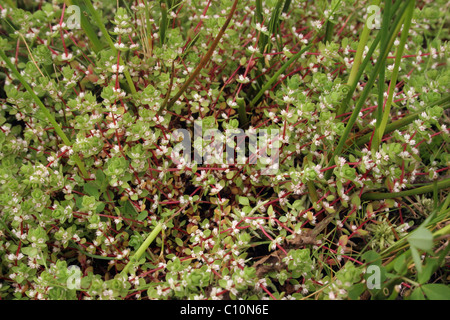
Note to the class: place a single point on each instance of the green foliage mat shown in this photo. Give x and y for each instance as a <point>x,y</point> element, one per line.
<point>337,186</point>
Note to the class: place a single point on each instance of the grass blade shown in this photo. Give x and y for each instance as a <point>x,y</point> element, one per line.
<point>402,122</point>
<point>278,73</point>
<point>163,24</point>
<point>87,28</point>
<point>98,20</point>
<point>379,131</point>
<point>363,97</point>
<point>45,111</point>
<point>420,190</point>
<point>359,71</point>
<point>359,52</point>
<point>138,254</point>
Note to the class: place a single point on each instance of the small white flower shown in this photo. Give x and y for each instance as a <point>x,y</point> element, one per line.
<point>242,79</point>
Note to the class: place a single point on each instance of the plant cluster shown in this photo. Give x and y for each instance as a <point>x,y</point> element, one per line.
<point>95,203</point>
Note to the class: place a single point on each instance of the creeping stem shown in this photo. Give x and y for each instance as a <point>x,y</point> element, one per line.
<point>204,60</point>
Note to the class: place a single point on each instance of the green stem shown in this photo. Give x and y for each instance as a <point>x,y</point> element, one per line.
<point>402,122</point>
<point>328,31</point>
<point>360,50</point>
<point>286,5</point>
<point>277,74</point>
<point>45,111</point>
<point>381,76</point>
<point>381,35</point>
<point>260,18</point>
<point>163,24</point>
<point>105,33</point>
<point>138,254</point>
<point>441,232</point>
<point>148,26</point>
<point>379,112</point>
<point>274,21</point>
<point>87,28</point>
<point>362,99</point>
<point>379,131</point>
<point>389,195</point>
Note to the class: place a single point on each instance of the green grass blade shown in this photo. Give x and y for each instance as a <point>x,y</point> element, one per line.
<point>360,70</point>
<point>45,111</point>
<point>362,99</point>
<point>379,131</point>
<point>163,24</point>
<point>381,76</point>
<point>138,254</point>
<point>274,21</point>
<point>278,73</point>
<point>402,122</point>
<point>98,20</point>
<point>360,50</point>
<point>87,28</point>
<point>260,18</point>
<point>204,60</point>
<point>420,190</point>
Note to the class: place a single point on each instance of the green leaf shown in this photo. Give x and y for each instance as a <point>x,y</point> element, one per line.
<point>100,207</point>
<point>128,209</point>
<point>356,291</point>
<point>101,180</point>
<point>372,257</point>
<point>428,270</point>
<point>417,261</point>
<point>143,215</point>
<point>356,199</point>
<point>421,238</point>
<point>436,291</point>
<point>91,189</point>
<point>417,294</point>
<point>400,264</point>
<point>270,211</point>
<point>179,242</point>
<point>244,201</point>
<point>30,251</point>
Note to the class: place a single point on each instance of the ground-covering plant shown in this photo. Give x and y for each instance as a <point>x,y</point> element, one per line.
<point>96,204</point>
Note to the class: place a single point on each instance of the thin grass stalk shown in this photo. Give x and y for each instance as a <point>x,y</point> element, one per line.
<point>163,24</point>
<point>420,190</point>
<point>148,27</point>
<point>87,28</point>
<point>286,6</point>
<point>360,50</point>
<point>45,111</point>
<point>402,122</point>
<point>260,19</point>
<point>138,254</point>
<point>379,130</point>
<point>328,31</point>
<point>274,21</point>
<point>360,70</point>
<point>361,101</point>
<point>380,102</point>
<point>105,33</point>
<point>278,73</point>
<point>381,76</point>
